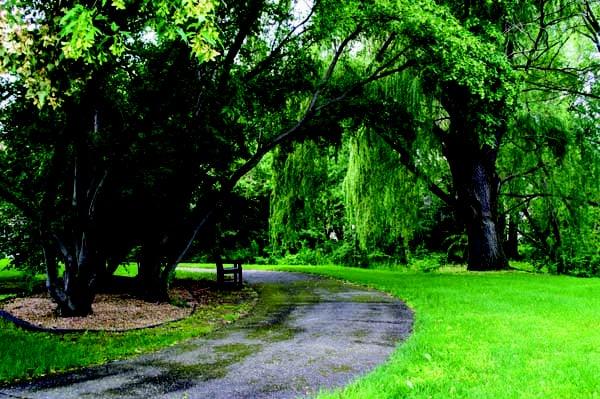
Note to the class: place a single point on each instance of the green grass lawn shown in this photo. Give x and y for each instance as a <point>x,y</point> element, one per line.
<point>485,335</point>
<point>476,335</point>
<point>25,354</point>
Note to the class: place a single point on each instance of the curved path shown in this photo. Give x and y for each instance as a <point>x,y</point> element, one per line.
<point>306,334</point>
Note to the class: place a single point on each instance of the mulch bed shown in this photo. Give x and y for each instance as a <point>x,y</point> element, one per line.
<point>111,311</point>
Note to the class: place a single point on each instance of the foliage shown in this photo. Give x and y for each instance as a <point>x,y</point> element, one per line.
<point>468,67</point>
<point>381,200</point>
<point>349,204</point>
<point>557,196</point>
<point>17,242</point>
<point>42,42</point>
<point>16,282</point>
<point>242,229</point>
<point>145,141</point>
<point>305,202</point>
<point>155,146</point>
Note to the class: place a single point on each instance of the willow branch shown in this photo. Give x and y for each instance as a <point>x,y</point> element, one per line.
<point>525,173</point>
<point>409,164</point>
<point>277,51</point>
<point>550,195</point>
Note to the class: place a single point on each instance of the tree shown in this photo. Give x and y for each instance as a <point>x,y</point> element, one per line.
<point>471,111</point>
<point>85,176</point>
<point>470,82</point>
<point>550,159</point>
<point>59,116</point>
<point>116,105</point>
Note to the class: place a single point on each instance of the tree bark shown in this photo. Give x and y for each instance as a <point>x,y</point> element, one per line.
<point>484,247</point>
<point>79,249</point>
<point>52,281</point>
<point>511,246</point>
<point>472,161</point>
<point>151,284</point>
<point>80,291</point>
<point>75,294</point>
<point>475,182</point>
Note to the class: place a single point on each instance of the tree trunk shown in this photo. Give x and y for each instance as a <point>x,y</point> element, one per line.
<point>475,181</point>
<point>511,247</point>
<point>151,286</point>
<point>75,293</point>
<point>473,167</point>
<point>52,281</point>
<point>106,274</point>
<point>80,291</point>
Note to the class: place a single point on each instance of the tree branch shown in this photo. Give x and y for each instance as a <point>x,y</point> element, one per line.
<point>385,46</point>
<point>592,24</point>
<point>549,88</point>
<point>230,183</point>
<point>95,195</point>
<point>409,164</point>
<point>251,16</point>
<point>516,175</point>
<point>289,134</point>
<point>13,198</point>
<point>549,195</point>
<point>277,51</point>
<point>374,77</point>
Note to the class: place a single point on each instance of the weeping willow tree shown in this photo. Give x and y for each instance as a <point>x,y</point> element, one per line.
<point>397,176</point>
<point>351,204</point>
<point>550,186</point>
<point>358,201</point>
<point>381,200</point>
<point>305,209</point>
<point>551,191</point>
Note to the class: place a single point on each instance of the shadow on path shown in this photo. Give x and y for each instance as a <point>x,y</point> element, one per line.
<point>305,334</point>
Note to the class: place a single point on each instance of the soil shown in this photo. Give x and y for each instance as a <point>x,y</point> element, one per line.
<point>111,312</point>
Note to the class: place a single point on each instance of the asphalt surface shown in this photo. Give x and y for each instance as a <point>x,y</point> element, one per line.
<point>324,337</point>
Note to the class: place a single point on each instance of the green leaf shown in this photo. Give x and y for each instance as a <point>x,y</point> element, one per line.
<point>182,34</point>
<point>118,4</point>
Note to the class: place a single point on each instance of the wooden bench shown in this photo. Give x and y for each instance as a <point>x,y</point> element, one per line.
<point>235,271</point>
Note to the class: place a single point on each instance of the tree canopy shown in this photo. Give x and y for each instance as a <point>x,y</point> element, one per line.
<point>133,131</point>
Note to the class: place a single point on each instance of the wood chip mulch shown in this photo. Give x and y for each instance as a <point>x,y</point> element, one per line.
<point>111,312</point>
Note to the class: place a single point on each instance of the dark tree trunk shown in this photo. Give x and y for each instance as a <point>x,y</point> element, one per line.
<point>105,274</point>
<point>75,294</point>
<point>80,290</point>
<point>475,179</point>
<point>511,246</point>
<point>476,182</point>
<point>477,200</point>
<point>151,284</point>
<point>79,250</point>
<point>53,285</point>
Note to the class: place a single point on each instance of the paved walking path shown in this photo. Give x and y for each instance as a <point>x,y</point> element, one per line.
<point>311,334</point>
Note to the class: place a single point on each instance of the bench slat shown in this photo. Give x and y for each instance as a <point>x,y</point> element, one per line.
<point>235,271</point>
